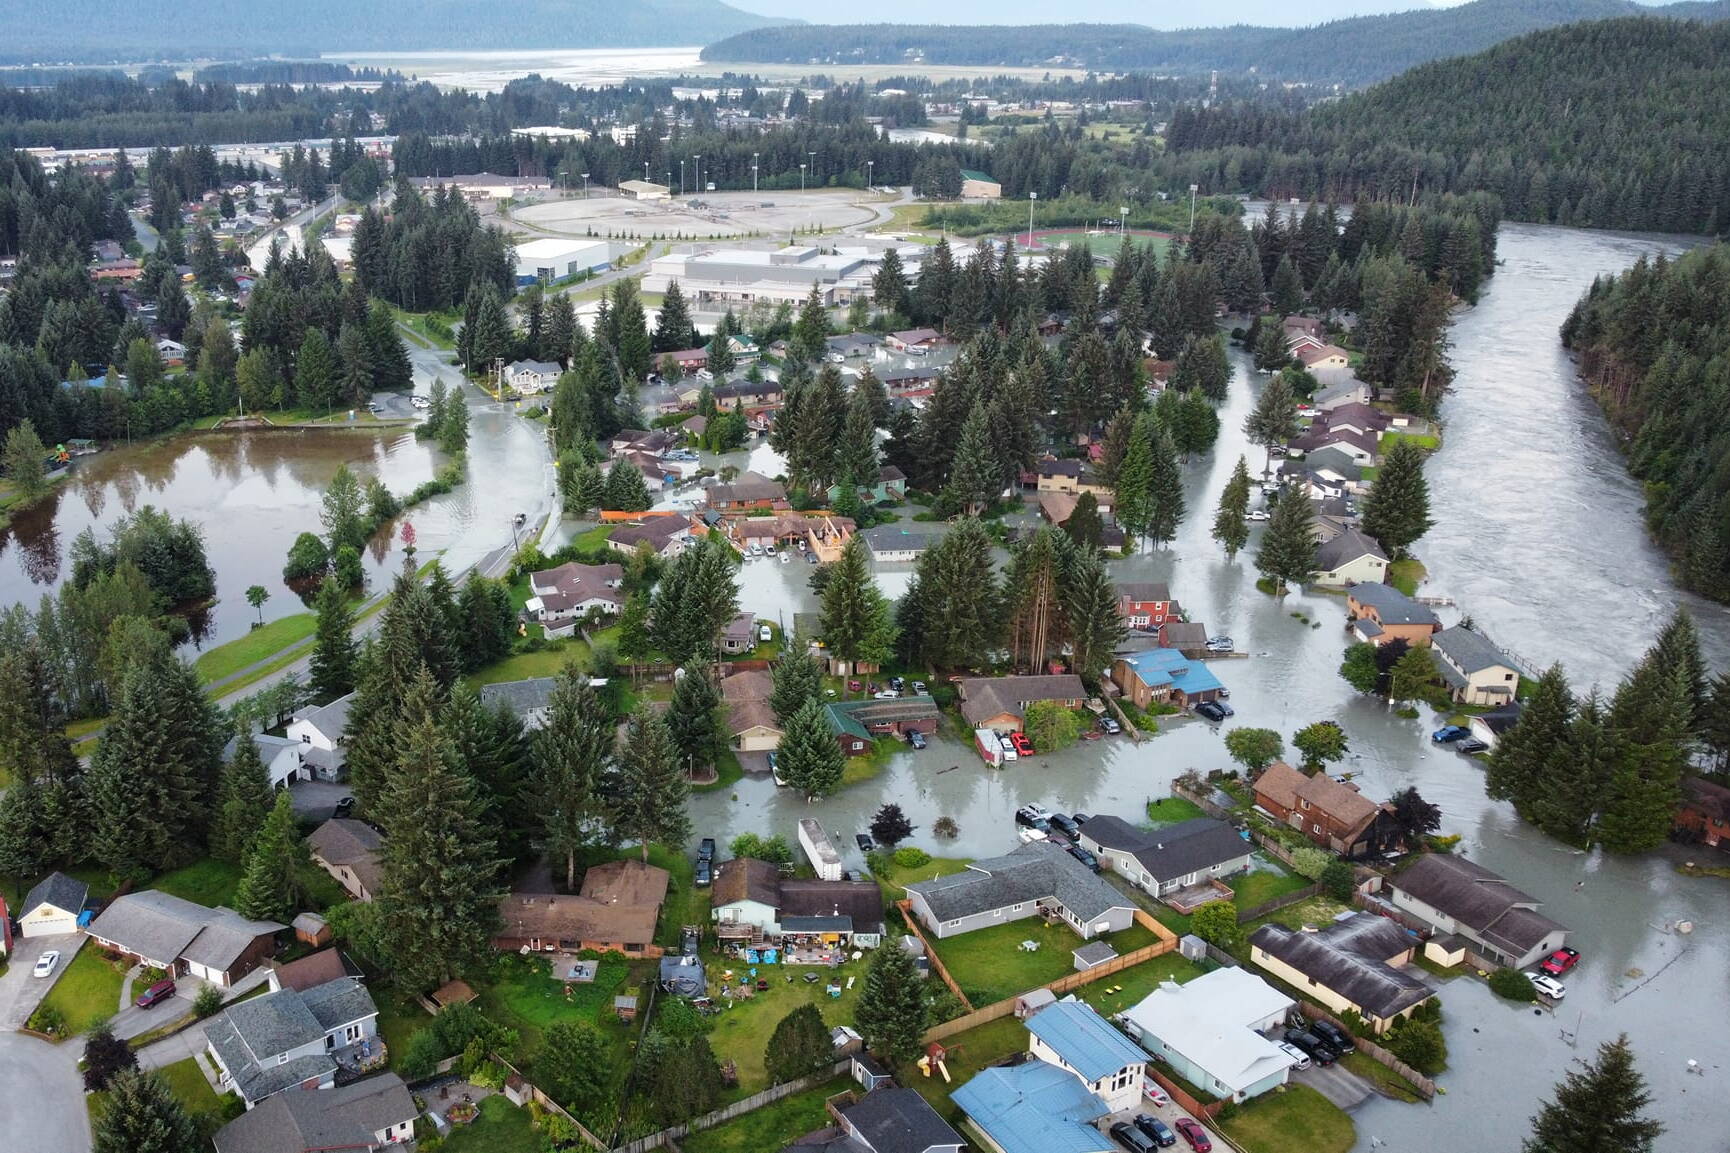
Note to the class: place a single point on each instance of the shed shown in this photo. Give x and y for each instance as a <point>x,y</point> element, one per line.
<point>1446,950</point>
<point>626,1007</point>
<point>1033,1001</point>
<point>1191,947</point>
<point>312,929</point>
<point>517,1090</point>
<point>869,1072</point>
<point>1092,955</point>
<point>453,993</point>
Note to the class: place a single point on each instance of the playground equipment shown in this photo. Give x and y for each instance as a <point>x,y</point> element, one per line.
<point>935,1055</point>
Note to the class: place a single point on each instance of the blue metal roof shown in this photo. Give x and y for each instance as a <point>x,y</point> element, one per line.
<point>1085,1040</point>
<point>1034,1108</point>
<point>1157,667</point>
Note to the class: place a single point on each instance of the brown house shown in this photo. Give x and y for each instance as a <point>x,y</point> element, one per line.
<point>750,491</point>
<point>348,850</point>
<point>1329,812</point>
<point>1000,703</point>
<point>1704,815</point>
<point>1380,613</point>
<point>616,910</point>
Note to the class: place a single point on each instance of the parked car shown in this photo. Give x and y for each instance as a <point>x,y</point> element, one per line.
<point>1021,743</point>
<point>897,683</point>
<point>1448,734</point>
<point>916,739</point>
<point>1336,1038</point>
<point>1257,514</point>
<point>1064,825</point>
<point>886,694</point>
<point>1320,1052</point>
<point>1007,748</point>
<point>919,688</point>
<point>156,994</point>
<point>1195,1135</point>
<point>1300,1059</point>
<point>1082,855</point>
<point>1110,725</point>
<point>1156,1130</point>
<point>1033,816</point>
<point>1220,644</point>
<point>1472,747</point>
<point>1548,986</point>
<point>1080,818</point>
<point>706,849</point>
<point>1560,961</point>
<point>865,843</point>
<point>1028,836</point>
<point>344,808</point>
<point>45,963</point>
<point>810,558</point>
<point>1212,710</point>
<point>1152,1090</point>
<point>854,686</point>
<point>1132,1138</point>
<point>705,873</point>
<point>765,633</point>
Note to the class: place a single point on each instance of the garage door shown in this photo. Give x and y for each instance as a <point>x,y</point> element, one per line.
<point>44,925</point>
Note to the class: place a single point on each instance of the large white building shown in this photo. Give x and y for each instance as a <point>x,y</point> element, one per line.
<point>1214,1032</point>
<point>729,276</point>
<point>553,259</point>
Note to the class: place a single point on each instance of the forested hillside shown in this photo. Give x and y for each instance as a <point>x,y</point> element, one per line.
<point>1353,52</point>
<point>1654,347</point>
<point>1609,124</point>
<point>129,30</point>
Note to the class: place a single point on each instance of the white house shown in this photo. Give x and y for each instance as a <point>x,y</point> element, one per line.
<point>283,758</point>
<point>746,893</point>
<point>289,1039</point>
<point>1348,559</point>
<point>1070,1035</point>
<point>1210,1030</point>
<point>320,730</point>
<point>563,596</point>
<point>531,376</point>
<point>52,907</point>
<point>170,350</point>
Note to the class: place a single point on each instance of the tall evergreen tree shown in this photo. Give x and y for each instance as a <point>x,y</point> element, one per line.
<point>1397,511</point>
<point>674,331</point>
<point>626,491</point>
<point>1518,765</point>
<point>334,652</point>
<point>1678,647</point>
<point>569,755</point>
<point>141,1115</point>
<point>1598,1108</point>
<point>856,456</point>
<point>1274,419</point>
<point>271,885</point>
<point>891,1013</point>
<point>974,476</point>
<point>1567,801</point>
<point>857,625</point>
<point>243,802</point>
<point>694,719</point>
<point>1271,354</point>
<point>1165,495</point>
<point>1096,626</point>
<point>808,758</point>
<point>1650,716</point>
<point>797,679</point>
<point>1288,548</point>
<point>1230,526</point>
<point>649,794</point>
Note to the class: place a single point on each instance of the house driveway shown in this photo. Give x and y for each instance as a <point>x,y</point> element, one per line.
<point>20,993</point>
<point>1337,1083</point>
<point>41,1092</point>
<point>316,800</point>
<point>189,1042</point>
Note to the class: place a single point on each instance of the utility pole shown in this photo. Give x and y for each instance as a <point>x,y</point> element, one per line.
<point>681,178</point>
<point>1192,191</point>
<point>585,186</point>
<point>645,172</point>
<point>801,176</point>
<point>813,156</point>
<point>753,173</point>
<point>1032,199</point>
<point>697,179</point>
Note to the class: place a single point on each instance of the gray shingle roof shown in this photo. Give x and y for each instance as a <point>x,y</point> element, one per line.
<point>1348,546</point>
<point>341,1118</point>
<point>250,1035</point>
<point>519,696</point>
<point>331,719</point>
<point>255,1082</point>
<point>58,891</point>
<point>985,697</point>
<point>1393,606</point>
<point>896,1120</point>
<point>1471,651</point>
<point>1476,898</point>
<point>1174,851</point>
<point>1351,957</point>
<point>1029,873</point>
<point>163,927</point>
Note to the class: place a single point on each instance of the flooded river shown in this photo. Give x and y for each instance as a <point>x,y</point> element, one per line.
<point>1539,538</point>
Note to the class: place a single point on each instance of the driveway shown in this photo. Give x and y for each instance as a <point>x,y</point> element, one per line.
<point>316,800</point>
<point>42,1099</point>
<point>189,1042</point>
<point>20,993</point>
<point>1337,1083</point>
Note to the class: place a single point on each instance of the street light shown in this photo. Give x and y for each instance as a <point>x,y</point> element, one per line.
<point>645,172</point>
<point>813,156</point>
<point>697,177</point>
<point>585,186</point>
<point>1122,219</point>
<point>753,173</point>
<point>870,174</point>
<point>801,177</point>
<point>681,178</point>
<point>1031,198</point>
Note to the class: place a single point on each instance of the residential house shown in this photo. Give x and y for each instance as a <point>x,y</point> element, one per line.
<point>738,635</point>
<point>1360,448</point>
<point>1313,357</point>
<point>531,376</point>
<point>654,442</point>
<point>901,382</point>
<point>1210,1031</point>
<point>751,722</point>
<point>901,542</point>
<point>1145,604</point>
<point>1475,671</point>
<point>283,758</point>
<point>1339,394</point>
<point>1703,817</point>
<point>1490,727</point>
<point>891,484</point>
<point>529,700</point>
<point>852,346</point>
<point>977,184</point>
<point>1292,326</point>
<point>1075,1038</point>
<point>310,971</point>
<point>1356,964</point>
<point>744,348</point>
<point>888,1119</point>
<point>1058,507</point>
<point>746,894</point>
<point>561,597</point>
<point>755,396</point>
<point>1165,675</point>
<point>1037,879</point>
<point>751,902</point>
<point>1447,894</point>
<point>1337,469</point>
<point>52,907</point>
<point>666,536</point>
<point>367,1116</point>
<point>1187,637</point>
<point>349,851</point>
<point>290,1039</point>
<point>689,360</point>
<point>185,939</point>
<point>320,729</point>
<point>1163,861</point>
<point>1360,418</point>
<point>917,341</point>
<point>1331,813</point>
<point>172,352</point>
<point>1033,1108</point>
<point>1052,474</point>
<point>695,427</point>
<point>1380,613</point>
<point>1000,703</point>
<point>858,724</point>
<point>750,491</point>
<point>616,908</point>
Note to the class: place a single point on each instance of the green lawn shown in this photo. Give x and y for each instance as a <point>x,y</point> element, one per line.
<point>989,964</point>
<point>1425,441</point>
<point>399,1017</point>
<point>1171,810</point>
<point>191,1089</point>
<point>546,662</point>
<point>259,644</point>
<point>526,987</point>
<point>1296,1117</point>
<point>1407,574</point>
<point>88,990</point>
<point>1315,911</point>
<point>501,1128</point>
<point>728,772</point>
<point>895,879</point>
<point>207,882</point>
<point>771,1127</point>
<point>742,1032</point>
<point>1135,983</point>
<point>101,882</point>
<point>1264,884</point>
<point>968,1053</point>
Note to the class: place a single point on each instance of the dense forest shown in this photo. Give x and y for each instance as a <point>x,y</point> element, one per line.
<point>1609,124</point>
<point>1654,347</point>
<point>133,30</point>
<point>1353,52</point>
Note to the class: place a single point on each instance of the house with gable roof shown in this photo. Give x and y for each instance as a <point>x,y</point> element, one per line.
<point>1379,613</point>
<point>1450,895</point>
<point>1031,880</point>
<point>1475,671</point>
<point>1072,1036</point>
<point>53,906</point>
<point>290,1038</point>
<point>1034,1107</point>
<point>1212,1031</point>
<point>1167,675</point>
<point>560,597</point>
<point>321,730</point>
<point>368,1115</point>
<point>1162,861</point>
<point>184,938</point>
<point>1330,812</point>
<point>1358,964</point>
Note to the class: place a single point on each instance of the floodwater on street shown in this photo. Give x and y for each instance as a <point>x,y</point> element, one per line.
<point>1539,538</point>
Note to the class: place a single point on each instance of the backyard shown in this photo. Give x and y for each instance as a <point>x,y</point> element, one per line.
<point>1265,882</point>
<point>212,882</point>
<point>990,964</point>
<point>967,1054</point>
<point>894,878</point>
<point>187,1082</point>
<point>1171,810</point>
<point>500,1128</point>
<point>88,991</point>
<point>1119,991</point>
<point>771,1127</point>
<point>1294,1117</point>
<point>742,1032</point>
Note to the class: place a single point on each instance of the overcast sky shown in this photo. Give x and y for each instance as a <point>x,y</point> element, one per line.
<point>1159,14</point>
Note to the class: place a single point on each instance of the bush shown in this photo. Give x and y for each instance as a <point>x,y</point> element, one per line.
<point>347,567</point>
<point>1216,924</point>
<point>104,1056</point>
<point>912,857</point>
<point>946,828</point>
<point>48,1019</point>
<point>1512,984</point>
<point>306,559</point>
<point>1310,862</point>
<point>207,1002</point>
<point>1337,880</point>
<point>421,1055</point>
<point>1421,1045</point>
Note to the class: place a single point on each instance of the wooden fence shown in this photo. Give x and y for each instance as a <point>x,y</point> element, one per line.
<point>728,1112</point>
<point>538,1097</point>
<point>906,908</point>
<point>1184,1099</point>
<point>1421,1084</point>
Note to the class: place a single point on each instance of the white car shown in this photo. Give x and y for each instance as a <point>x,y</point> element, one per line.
<point>765,633</point>
<point>1028,836</point>
<point>1257,514</point>
<point>1548,986</point>
<point>421,402</point>
<point>45,963</point>
<point>1300,1059</point>
<point>887,695</point>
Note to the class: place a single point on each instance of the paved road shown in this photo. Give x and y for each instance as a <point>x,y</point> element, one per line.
<point>41,1093</point>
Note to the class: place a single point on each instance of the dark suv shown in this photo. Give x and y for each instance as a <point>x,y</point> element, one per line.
<point>1132,1138</point>
<point>1155,1130</point>
<point>1320,1051</point>
<point>1333,1036</point>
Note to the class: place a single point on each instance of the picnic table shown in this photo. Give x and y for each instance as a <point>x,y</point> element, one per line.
<point>1029,946</point>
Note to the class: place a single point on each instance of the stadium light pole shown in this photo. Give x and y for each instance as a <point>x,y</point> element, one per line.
<point>645,172</point>
<point>870,174</point>
<point>681,178</point>
<point>813,157</point>
<point>801,176</point>
<point>585,186</point>
<point>753,173</point>
<point>1192,191</point>
<point>697,178</point>
<point>1032,197</point>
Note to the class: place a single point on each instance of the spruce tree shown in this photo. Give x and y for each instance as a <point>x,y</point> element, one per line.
<point>1397,511</point>
<point>1519,764</point>
<point>141,1115</point>
<point>974,474</point>
<point>334,650</point>
<point>856,623</point>
<point>799,1045</point>
<point>627,491</point>
<point>1165,503</point>
<point>1274,419</point>
<point>1096,627</point>
<point>1598,1108</point>
<point>243,802</point>
<point>674,331</point>
<point>1202,366</point>
<point>809,758</point>
<point>1678,647</point>
<point>694,718</point>
<point>797,679</point>
<point>651,787</point>
<point>891,1014</point>
<point>856,456</point>
<point>1135,476</point>
<point>271,884</point>
<point>961,598</point>
<point>569,756</point>
<point>1270,348</point>
<point>812,328</point>
<point>1288,548</point>
<point>1567,803</point>
<point>1287,288</point>
<point>1230,523</point>
<point>315,376</point>
<point>1084,525</point>
<point>1650,717</point>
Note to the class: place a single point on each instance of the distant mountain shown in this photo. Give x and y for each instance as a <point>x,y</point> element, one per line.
<point>133,30</point>
<point>1354,52</point>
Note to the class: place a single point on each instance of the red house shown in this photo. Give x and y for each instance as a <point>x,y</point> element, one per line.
<point>1145,604</point>
<point>1705,812</point>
